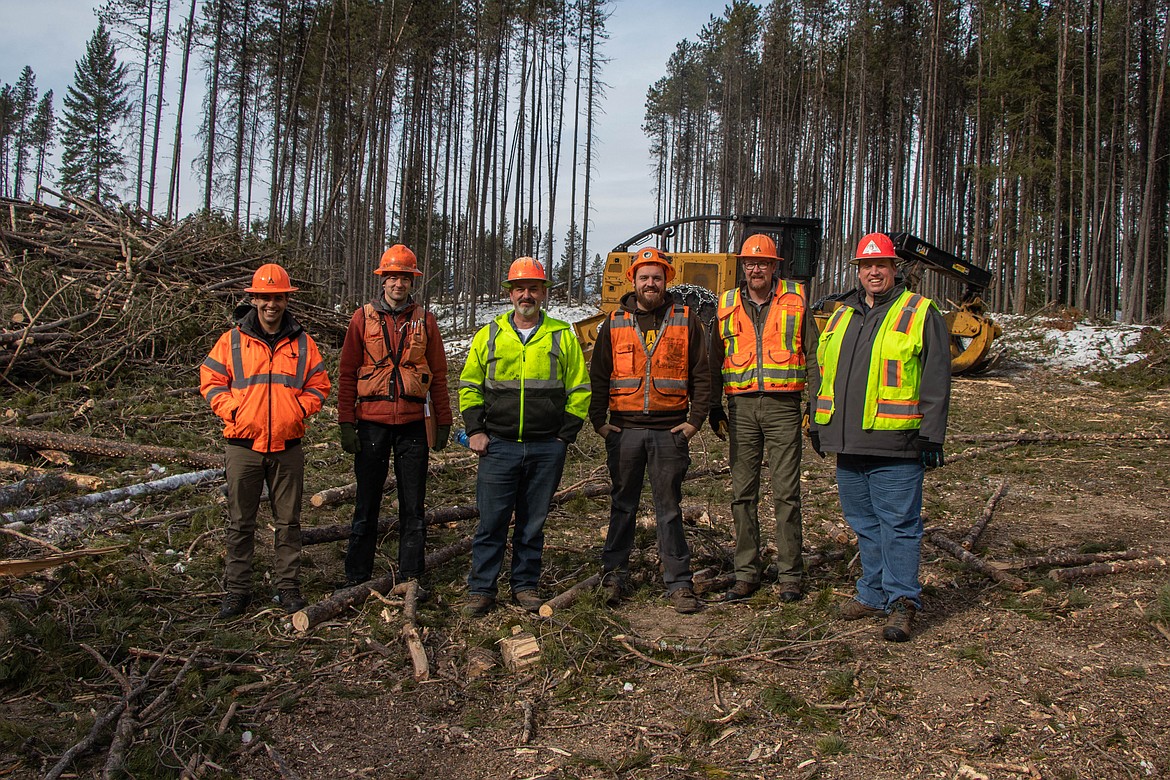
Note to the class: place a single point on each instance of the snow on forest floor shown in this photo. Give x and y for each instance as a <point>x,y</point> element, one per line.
<point>1065,344</point>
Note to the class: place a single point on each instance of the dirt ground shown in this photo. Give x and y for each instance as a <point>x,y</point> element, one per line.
<point>1055,680</point>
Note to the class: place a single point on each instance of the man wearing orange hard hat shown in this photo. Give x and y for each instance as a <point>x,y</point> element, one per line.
<point>524,394</point>
<point>392,362</point>
<point>881,405</point>
<point>264,378</point>
<point>762,354</point>
<point>651,393</point>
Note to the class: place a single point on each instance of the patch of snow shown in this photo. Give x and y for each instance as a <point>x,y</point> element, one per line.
<point>457,344</point>
<point>1096,347</point>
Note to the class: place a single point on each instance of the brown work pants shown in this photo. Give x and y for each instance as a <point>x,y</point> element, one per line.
<point>248,472</point>
<point>759,424</point>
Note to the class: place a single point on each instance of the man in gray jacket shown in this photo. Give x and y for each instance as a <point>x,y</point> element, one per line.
<point>881,405</point>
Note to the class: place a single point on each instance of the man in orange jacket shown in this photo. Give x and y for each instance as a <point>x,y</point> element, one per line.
<point>263,378</point>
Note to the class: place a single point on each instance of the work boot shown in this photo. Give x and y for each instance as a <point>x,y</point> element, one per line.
<point>900,622</point>
<point>612,589</point>
<point>527,599</point>
<point>477,605</point>
<point>234,605</point>
<point>684,601</point>
<point>855,610</point>
<point>291,599</point>
<point>790,592</point>
<point>741,590</point>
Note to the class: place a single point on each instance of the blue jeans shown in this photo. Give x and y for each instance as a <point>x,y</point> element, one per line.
<point>518,477</point>
<point>882,502</point>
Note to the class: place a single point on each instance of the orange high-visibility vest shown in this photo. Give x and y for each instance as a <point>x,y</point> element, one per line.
<point>649,379</point>
<point>394,369</point>
<point>771,360</point>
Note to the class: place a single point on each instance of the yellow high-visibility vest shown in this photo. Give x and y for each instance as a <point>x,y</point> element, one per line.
<point>895,366</point>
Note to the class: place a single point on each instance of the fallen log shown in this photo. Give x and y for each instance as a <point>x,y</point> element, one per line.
<point>837,533</point>
<point>945,543</point>
<point>40,417</point>
<point>1049,438</point>
<point>568,597</point>
<point>414,645</point>
<point>51,440</point>
<point>341,600</point>
<point>1097,569</point>
<point>1071,559</point>
<point>81,480</point>
<point>972,537</point>
<point>28,565</point>
<point>163,485</point>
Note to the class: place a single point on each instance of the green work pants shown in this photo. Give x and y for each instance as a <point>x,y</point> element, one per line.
<point>766,423</point>
<point>247,473</point>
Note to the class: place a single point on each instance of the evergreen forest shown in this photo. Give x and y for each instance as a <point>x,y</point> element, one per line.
<point>1031,138</point>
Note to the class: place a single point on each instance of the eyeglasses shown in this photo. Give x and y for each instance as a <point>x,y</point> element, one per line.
<point>751,265</point>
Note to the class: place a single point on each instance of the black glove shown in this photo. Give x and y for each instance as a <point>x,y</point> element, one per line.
<point>349,438</point>
<point>814,436</point>
<point>442,436</point>
<point>930,454</point>
<point>718,420</point>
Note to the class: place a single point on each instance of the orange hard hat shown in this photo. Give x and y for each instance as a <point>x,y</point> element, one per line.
<point>759,247</point>
<point>875,246</point>
<point>398,259</point>
<point>525,268</point>
<point>271,278</point>
<point>651,254</point>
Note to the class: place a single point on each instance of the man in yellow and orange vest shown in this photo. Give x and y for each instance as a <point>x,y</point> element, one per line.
<point>264,378</point>
<point>392,359</point>
<point>881,404</point>
<point>651,391</point>
<point>762,353</point>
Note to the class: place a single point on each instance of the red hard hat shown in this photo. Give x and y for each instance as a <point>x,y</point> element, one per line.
<point>651,255</point>
<point>398,259</point>
<point>525,268</point>
<point>271,278</point>
<point>875,246</point>
<point>759,247</point>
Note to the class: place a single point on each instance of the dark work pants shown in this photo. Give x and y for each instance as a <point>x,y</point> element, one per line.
<point>630,453</point>
<point>407,445</point>
<point>247,472</point>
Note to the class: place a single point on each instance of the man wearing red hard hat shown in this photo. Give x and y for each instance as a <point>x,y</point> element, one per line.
<point>264,378</point>
<point>881,405</point>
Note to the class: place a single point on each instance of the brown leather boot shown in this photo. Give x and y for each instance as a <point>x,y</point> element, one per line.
<point>900,623</point>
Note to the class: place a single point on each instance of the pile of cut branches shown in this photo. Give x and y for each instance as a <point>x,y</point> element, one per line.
<point>88,290</point>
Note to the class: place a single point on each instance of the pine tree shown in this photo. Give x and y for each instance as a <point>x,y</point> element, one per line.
<point>7,114</point>
<point>26,99</point>
<point>41,133</point>
<point>91,161</point>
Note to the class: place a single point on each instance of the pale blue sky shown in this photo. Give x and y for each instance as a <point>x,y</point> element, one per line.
<point>50,36</point>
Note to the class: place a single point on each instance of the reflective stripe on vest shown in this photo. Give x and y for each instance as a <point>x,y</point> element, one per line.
<point>771,360</point>
<point>649,379</point>
<point>895,369</point>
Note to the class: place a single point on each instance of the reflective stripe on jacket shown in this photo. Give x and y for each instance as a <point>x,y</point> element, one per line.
<point>771,360</point>
<point>525,391</point>
<point>394,359</point>
<point>263,394</point>
<point>895,370</point>
<point>649,379</point>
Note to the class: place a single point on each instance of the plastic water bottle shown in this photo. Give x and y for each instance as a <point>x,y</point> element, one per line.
<point>461,437</point>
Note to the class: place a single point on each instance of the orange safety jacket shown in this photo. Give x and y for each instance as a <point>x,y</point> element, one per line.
<point>390,373</point>
<point>769,361</point>
<point>262,394</point>
<point>653,379</point>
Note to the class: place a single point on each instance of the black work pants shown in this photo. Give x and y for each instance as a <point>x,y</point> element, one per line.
<point>407,445</point>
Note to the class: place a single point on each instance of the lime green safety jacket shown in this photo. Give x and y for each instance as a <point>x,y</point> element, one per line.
<point>519,391</point>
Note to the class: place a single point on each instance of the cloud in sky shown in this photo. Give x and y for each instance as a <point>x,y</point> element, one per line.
<point>50,36</point>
